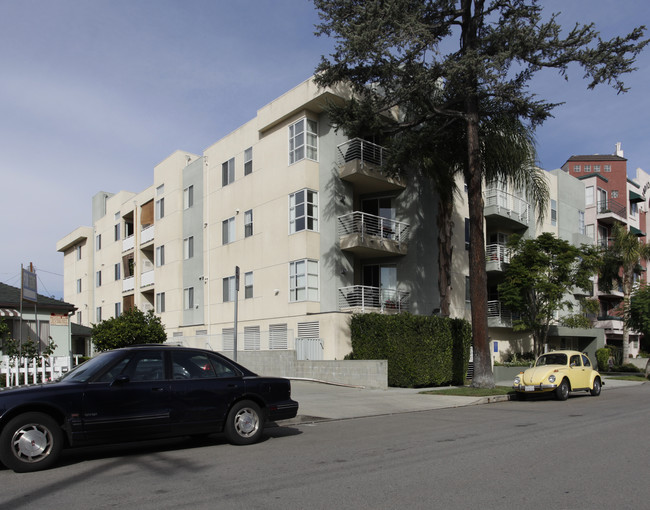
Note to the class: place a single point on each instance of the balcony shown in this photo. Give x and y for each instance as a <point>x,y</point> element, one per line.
<point>498,315</point>
<point>147,279</point>
<point>496,256</point>
<point>610,211</point>
<point>128,284</point>
<point>367,235</point>
<point>365,299</point>
<point>503,209</point>
<point>610,323</point>
<point>128,243</point>
<point>147,234</point>
<point>362,163</point>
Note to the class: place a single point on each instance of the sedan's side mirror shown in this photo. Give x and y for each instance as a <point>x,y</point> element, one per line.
<point>120,380</point>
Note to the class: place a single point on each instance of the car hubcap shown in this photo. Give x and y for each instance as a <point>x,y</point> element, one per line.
<point>246,422</point>
<point>32,443</point>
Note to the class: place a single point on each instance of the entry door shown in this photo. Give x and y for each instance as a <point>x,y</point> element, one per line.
<point>383,280</point>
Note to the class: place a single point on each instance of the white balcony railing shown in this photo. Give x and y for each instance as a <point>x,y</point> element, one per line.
<point>366,224</point>
<point>128,284</point>
<point>362,150</point>
<point>497,311</point>
<point>128,243</point>
<point>147,279</point>
<point>147,234</point>
<point>497,253</point>
<point>362,298</point>
<point>507,204</point>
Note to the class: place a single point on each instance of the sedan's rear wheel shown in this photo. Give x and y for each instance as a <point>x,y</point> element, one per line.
<point>595,391</point>
<point>245,423</point>
<point>562,391</point>
<point>30,442</point>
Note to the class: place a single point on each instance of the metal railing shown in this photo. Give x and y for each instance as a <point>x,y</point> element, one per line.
<point>368,224</point>
<point>362,150</point>
<point>507,203</point>
<point>363,298</point>
<point>496,310</point>
<point>497,253</point>
<point>611,206</point>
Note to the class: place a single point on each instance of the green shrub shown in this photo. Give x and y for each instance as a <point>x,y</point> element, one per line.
<point>628,367</point>
<point>421,351</point>
<point>602,357</point>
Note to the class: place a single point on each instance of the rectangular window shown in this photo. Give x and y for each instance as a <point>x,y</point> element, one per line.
<point>303,280</point>
<point>576,168</point>
<point>160,302</point>
<point>248,161</point>
<point>228,231</point>
<point>587,168</point>
<point>248,285</point>
<point>160,256</point>
<point>581,222</point>
<point>228,289</point>
<point>303,141</point>
<point>553,212</point>
<point>248,223</point>
<point>98,314</point>
<point>188,247</point>
<point>596,168</point>
<point>98,279</point>
<point>589,195</point>
<point>633,209</point>
<point>118,271</point>
<point>228,172</point>
<point>98,242</point>
<point>118,309</point>
<point>78,250</point>
<point>303,211</point>
<point>78,285</point>
<point>607,168</point>
<point>188,197</point>
<point>160,209</point>
<point>188,298</point>
<point>117,232</point>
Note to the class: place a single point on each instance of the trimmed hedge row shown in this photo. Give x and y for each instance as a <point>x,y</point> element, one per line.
<point>421,350</point>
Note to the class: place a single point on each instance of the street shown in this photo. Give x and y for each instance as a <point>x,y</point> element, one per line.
<point>587,452</point>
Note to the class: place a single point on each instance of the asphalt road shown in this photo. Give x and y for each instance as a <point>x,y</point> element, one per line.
<point>584,453</point>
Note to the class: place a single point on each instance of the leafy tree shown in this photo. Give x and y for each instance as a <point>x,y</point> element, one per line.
<point>130,328</point>
<point>637,314</point>
<point>541,274</point>
<point>463,61</point>
<point>621,263</point>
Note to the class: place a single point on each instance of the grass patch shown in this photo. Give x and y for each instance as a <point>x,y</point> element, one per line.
<point>468,391</point>
<point>636,378</point>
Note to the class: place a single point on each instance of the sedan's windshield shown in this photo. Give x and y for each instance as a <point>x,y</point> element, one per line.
<point>83,372</point>
<point>551,359</point>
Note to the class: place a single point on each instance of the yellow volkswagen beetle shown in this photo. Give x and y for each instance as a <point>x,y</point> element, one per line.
<point>559,372</point>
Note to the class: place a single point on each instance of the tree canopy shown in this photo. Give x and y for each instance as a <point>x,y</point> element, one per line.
<point>130,328</point>
<point>637,314</point>
<point>464,61</point>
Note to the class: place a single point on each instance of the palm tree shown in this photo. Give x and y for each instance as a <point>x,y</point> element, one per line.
<point>621,262</point>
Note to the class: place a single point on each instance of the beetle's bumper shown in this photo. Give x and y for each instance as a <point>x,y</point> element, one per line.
<point>533,388</point>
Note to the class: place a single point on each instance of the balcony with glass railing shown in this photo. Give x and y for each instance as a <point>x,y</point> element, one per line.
<point>366,299</point>
<point>505,209</point>
<point>367,235</point>
<point>363,164</point>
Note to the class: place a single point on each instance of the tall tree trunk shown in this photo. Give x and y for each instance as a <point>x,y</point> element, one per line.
<point>628,278</point>
<point>445,253</point>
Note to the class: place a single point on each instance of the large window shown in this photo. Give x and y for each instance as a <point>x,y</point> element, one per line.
<point>303,211</point>
<point>228,289</point>
<point>188,247</point>
<point>303,140</point>
<point>228,172</point>
<point>303,280</point>
<point>248,161</point>
<point>248,223</point>
<point>228,231</point>
<point>188,197</point>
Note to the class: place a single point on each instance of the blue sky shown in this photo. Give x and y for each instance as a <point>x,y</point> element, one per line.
<point>95,93</point>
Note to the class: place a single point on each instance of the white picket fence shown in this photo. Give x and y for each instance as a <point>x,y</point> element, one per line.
<point>32,371</point>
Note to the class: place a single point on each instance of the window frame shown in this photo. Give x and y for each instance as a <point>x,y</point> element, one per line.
<point>160,302</point>
<point>188,298</point>
<point>228,231</point>
<point>188,197</point>
<point>160,255</point>
<point>301,133</point>
<point>248,223</point>
<point>248,161</point>
<point>301,282</point>
<point>299,212</point>
<point>188,248</point>
<point>227,172</point>
<point>229,289</point>
<point>248,285</point>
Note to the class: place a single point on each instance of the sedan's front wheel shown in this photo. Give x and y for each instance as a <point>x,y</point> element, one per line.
<point>562,391</point>
<point>245,423</point>
<point>595,391</point>
<point>30,442</point>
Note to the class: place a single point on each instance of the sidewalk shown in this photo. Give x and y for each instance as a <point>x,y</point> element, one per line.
<point>322,402</point>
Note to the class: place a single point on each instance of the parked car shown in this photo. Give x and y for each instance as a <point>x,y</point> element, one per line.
<point>559,372</point>
<point>137,393</point>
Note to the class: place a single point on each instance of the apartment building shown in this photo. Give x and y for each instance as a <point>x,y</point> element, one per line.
<point>611,197</point>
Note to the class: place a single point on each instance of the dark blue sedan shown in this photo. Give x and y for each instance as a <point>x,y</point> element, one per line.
<point>137,393</point>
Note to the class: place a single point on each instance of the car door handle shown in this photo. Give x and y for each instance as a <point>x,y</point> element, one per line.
<point>157,389</point>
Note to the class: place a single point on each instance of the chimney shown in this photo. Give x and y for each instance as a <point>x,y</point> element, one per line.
<point>619,151</point>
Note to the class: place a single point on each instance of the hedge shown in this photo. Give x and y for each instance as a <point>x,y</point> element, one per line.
<point>421,350</point>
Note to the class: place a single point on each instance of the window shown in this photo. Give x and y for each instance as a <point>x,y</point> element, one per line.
<point>633,209</point>
<point>303,141</point>
<point>78,250</point>
<point>188,298</point>
<point>188,247</point>
<point>118,309</point>
<point>303,211</point>
<point>117,232</point>
<point>79,317</point>
<point>228,231</point>
<point>118,271</point>
<point>614,193</point>
<point>581,222</point>
<point>553,212</point>
<point>607,168</point>
<point>78,285</point>
<point>248,161</point>
<point>248,285</point>
<point>589,195</point>
<point>160,208</point>
<point>98,314</point>
<point>98,242</point>
<point>98,279</point>
<point>576,168</point>
<point>587,168</point>
<point>303,280</point>
<point>248,223</point>
<point>160,256</point>
<point>596,168</point>
<point>229,289</point>
<point>228,172</point>
<point>188,197</point>
<point>160,302</point>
